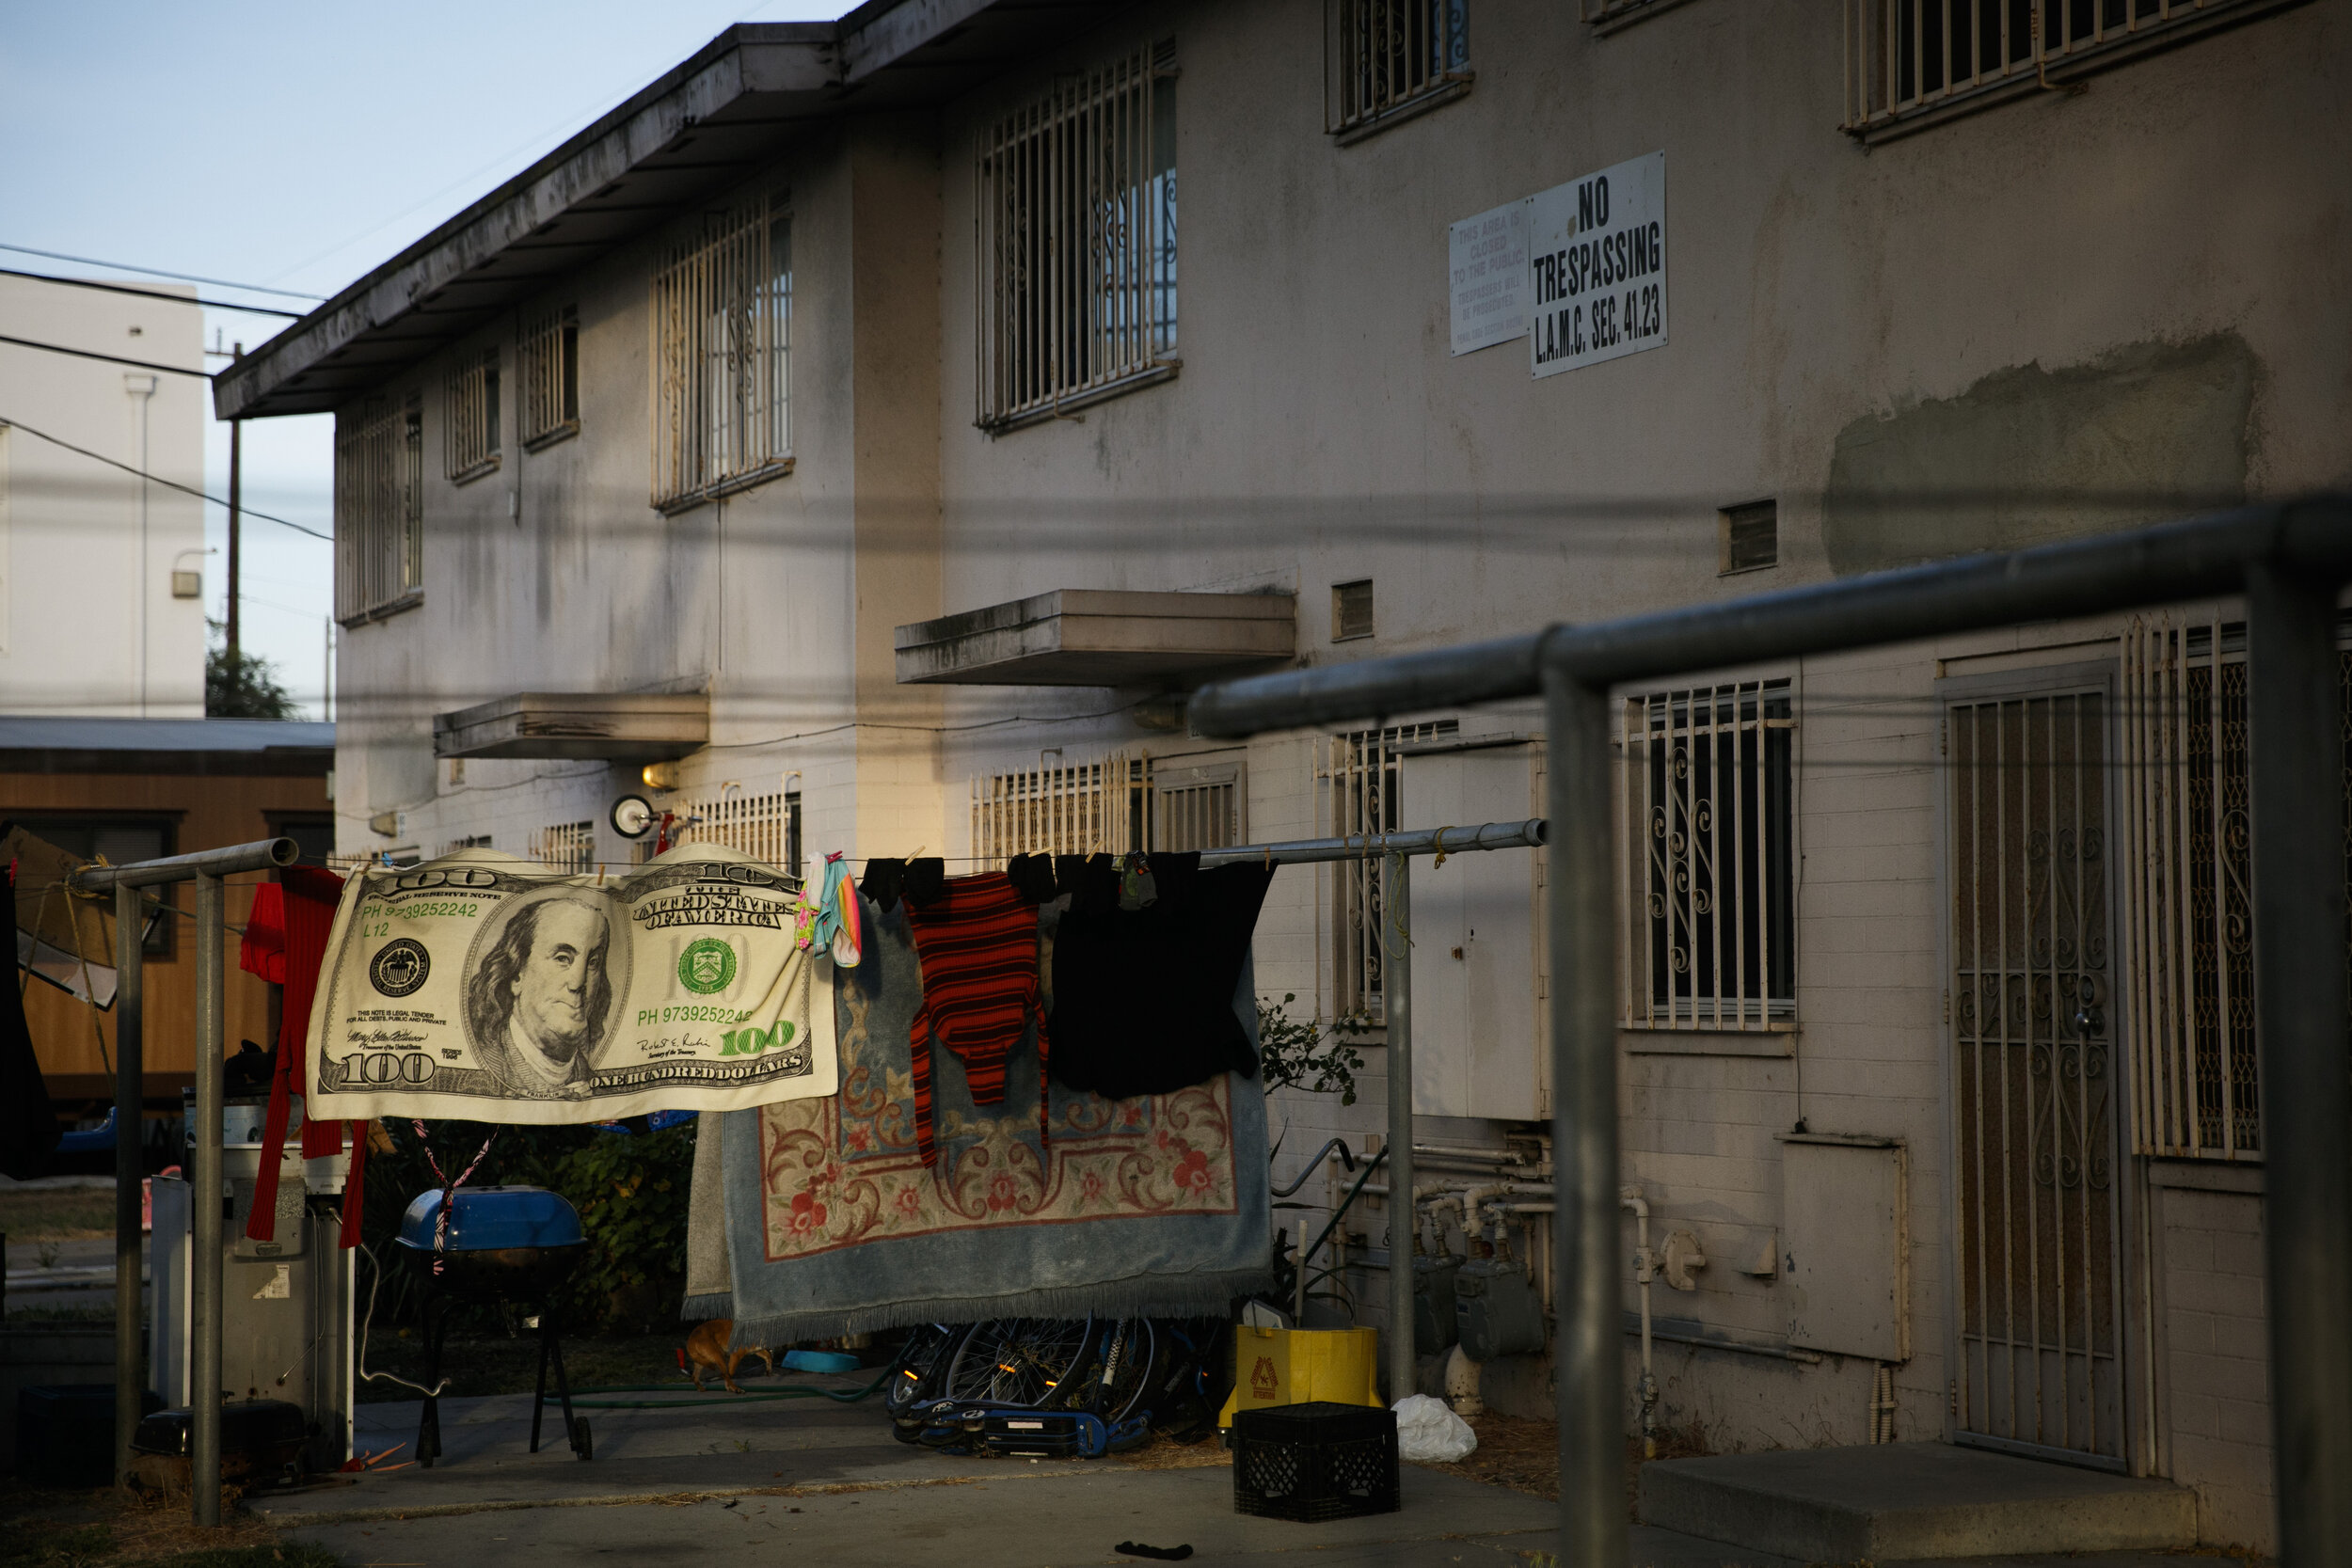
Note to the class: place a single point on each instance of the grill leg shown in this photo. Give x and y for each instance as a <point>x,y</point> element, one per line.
<point>429,1427</point>
<point>555,1349</point>
<point>539,1399</point>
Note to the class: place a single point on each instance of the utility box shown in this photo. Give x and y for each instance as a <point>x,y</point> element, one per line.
<point>1845,1239</point>
<point>286,1303</point>
<point>1478,1025</point>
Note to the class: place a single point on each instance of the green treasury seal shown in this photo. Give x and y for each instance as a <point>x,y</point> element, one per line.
<point>707,965</point>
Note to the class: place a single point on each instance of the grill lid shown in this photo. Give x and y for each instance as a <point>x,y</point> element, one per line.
<point>486,1219</point>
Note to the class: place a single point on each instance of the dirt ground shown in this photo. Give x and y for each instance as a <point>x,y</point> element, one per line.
<point>101,1528</point>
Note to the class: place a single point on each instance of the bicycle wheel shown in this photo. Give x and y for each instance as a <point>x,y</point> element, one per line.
<point>928,1349</point>
<point>1125,1364</point>
<point>1020,1361</point>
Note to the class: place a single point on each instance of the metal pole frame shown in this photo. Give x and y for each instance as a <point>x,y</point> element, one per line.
<point>129,1161</point>
<point>206,1191</point>
<point>2290,559</point>
<point>1396,1005</point>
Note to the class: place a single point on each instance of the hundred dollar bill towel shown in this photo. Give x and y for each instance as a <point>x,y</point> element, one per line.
<point>492,989</point>
<point>834,1225</point>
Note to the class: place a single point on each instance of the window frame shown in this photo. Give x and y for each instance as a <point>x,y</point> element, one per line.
<point>546,363</point>
<point>729,285</point>
<point>472,419</point>
<point>1651,1000</point>
<point>1103,324</point>
<point>1874,109</point>
<point>379,510</point>
<point>1349,44</point>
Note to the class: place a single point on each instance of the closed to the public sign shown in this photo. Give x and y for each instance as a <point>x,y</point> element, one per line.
<point>1597,266</point>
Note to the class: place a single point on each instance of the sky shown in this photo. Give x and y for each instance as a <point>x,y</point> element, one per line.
<point>297,147</point>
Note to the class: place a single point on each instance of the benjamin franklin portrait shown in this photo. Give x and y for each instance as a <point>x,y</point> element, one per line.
<point>538,1001</point>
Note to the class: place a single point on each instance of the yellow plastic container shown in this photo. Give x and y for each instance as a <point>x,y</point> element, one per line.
<point>1298,1366</point>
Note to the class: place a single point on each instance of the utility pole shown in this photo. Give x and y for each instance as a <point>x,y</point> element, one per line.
<point>236,501</point>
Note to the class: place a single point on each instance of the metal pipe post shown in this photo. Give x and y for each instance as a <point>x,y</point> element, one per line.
<point>130,1102</point>
<point>204,1198</point>
<point>2296,778</point>
<point>1588,1353</point>
<point>1396,1005</point>
<point>266,854</point>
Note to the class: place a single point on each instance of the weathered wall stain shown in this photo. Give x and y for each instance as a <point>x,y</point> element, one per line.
<point>2025,456</point>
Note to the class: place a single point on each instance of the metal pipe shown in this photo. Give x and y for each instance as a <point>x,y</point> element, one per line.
<point>2169,562</point>
<point>1396,997</point>
<point>130,1102</point>
<point>1588,1359</point>
<point>204,1198</point>
<point>1529,834</point>
<point>261,855</point>
<point>1644,1274</point>
<point>2300,987</point>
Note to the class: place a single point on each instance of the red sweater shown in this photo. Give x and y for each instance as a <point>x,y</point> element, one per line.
<point>977,945</point>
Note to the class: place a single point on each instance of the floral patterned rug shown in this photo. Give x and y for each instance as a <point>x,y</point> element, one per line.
<point>834,1225</point>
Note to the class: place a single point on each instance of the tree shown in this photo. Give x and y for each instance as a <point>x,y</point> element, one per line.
<point>240,685</point>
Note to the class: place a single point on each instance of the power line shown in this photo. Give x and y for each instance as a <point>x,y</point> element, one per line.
<point>169,483</point>
<point>160,272</point>
<point>109,358</point>
<point>150,293</point>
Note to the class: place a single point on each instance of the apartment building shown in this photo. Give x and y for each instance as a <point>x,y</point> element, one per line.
<point>828,447</point>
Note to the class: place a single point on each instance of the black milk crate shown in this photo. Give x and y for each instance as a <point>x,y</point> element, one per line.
<point>1314,1462</point>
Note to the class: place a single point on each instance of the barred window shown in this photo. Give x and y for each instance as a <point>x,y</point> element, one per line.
<point>1077,242</point>
<point>1388,59</point>
<point>379,511</point>
<point>1909,60</point>
<point>469,410</point>
<point>721,358</point>
<point>1205,806</point>
<point>1711,903</point>
<point>548,363</point>
<point>566,846</point>
<point>1083,808</point>
<point>766,826</point>
<point>1361,781</point>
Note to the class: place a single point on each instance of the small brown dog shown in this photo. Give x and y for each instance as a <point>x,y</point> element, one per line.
<point>706,1347</point>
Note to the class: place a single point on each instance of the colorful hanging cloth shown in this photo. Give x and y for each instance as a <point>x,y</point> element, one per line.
<point>977,944</point>
<point>835,923</point>
<point>285,943</point>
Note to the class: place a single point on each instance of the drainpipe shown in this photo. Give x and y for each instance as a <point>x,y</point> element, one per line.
<point>143,388</point>
<point>1645,1271</point>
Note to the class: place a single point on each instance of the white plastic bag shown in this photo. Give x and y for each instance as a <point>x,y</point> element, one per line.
<point>1429,1434</point>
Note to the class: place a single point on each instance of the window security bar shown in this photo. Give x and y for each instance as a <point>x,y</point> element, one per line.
<point>379,510</point>
<point>1077,241</point>
<point>1911,59</point>
<point>205,869</point>
<point>1389,59</point>
<point>1080,808</point>
<point>547,364</point>
<point>469,418</point>
<point>2290,560</point>
<point>722,329</point>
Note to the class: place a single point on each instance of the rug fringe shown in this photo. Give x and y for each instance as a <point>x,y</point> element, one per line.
<point>1202,1295</point>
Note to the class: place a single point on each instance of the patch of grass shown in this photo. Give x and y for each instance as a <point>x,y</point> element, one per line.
<point>64,1214</point>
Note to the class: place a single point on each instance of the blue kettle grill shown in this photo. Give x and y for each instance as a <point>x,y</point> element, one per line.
<point>503,1245</point>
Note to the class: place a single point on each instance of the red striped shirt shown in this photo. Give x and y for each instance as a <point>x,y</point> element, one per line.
<point>977,946</point>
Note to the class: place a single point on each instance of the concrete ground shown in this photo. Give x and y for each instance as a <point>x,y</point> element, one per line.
<point>738,1480</point>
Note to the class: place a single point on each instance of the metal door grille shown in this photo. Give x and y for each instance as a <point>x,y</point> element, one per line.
<point>1083,808</point>
<point>379,510</point>
<point>1077,239</point>
<point>2040,1323</point>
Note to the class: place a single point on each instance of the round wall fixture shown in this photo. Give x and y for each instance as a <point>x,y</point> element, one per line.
<point>631,816</point>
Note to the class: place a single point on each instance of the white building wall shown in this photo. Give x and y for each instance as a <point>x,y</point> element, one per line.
<point>88,625</point>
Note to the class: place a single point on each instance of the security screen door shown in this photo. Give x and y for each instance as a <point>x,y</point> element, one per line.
<point>2037,1159</point>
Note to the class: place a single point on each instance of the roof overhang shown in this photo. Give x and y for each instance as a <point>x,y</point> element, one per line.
<point>710,124</point>
<point>611,726</point>
<point>1097,636</point>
